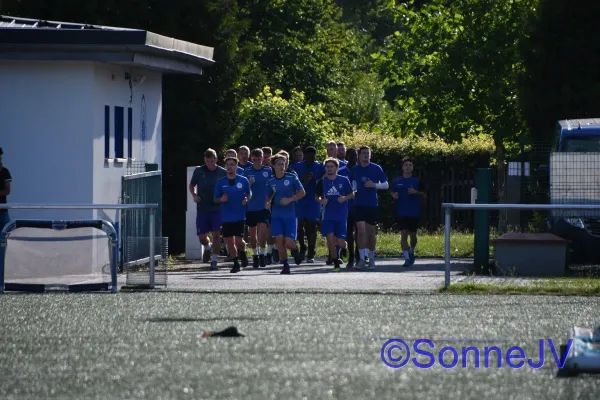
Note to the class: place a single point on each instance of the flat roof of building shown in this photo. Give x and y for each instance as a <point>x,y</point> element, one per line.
<point>33,39</point>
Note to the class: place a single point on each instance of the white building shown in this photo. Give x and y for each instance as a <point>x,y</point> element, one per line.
<point>79,105</point>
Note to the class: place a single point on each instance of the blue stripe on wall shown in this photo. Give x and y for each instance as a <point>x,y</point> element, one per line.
<point>119,128</point>
<point>129,132</point>
<point>106,131</point>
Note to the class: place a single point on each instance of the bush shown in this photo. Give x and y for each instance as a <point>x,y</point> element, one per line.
<point>271,120</point>
<point>427,148</point>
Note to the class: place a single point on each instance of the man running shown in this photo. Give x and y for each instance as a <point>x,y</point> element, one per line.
<point>284,191</point>
<point>333,192</point>
<point>353,255</point>
<point>332,152</point>
<point>233,192</point>
<point>267,152</point>
<point>208,217</point>
<point>231,153</point>
<point>341,151</point>
<point>257,216</point>
<point>297,154</point>
<point>408,192</point>
<point>266,162</point>
<point>243,155</point>
<point>309,210</point>
<point>367,178</point>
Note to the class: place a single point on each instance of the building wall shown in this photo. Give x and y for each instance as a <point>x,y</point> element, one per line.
<point>46,114</point>
<point>53,132</point>
<point>144,98</point>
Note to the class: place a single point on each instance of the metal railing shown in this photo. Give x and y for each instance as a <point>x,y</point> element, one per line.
<point>152,207</point>
<point>448,207</point>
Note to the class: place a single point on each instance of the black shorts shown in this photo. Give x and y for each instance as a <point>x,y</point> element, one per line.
<point>231,229</point>
<point>370,215</point>
<point>408,223</point>
<point>351,219</point>
<point>253,218</point>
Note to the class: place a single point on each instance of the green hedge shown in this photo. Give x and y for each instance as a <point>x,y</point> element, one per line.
<point>428,148</point>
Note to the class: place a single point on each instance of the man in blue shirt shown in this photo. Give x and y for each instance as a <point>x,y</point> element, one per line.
<point>243,155</point>
<point>332,152</point>
<point>231,153</point>
<point>257,216</point>
<point>346,171</point>
<point>309,210</point>
<point>284,191</point>
<point>233,192</point>
<point>408,192</point>
<point>367,178</point>
<point>333,193</point>
<point>208,218</point>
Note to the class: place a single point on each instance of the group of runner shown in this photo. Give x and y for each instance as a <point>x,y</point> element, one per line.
<point>282,203</point>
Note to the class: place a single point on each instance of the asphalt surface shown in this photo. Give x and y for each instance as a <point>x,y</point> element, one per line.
<point>149,345</point>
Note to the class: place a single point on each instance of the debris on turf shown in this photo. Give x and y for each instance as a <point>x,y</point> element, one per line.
<point>232,331</point>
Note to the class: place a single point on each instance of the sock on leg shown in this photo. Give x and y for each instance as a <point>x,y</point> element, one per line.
<point>215,257</point>
<point>270,249</point>
<point>406,254</point>
<point>255,251</point>
<point>208,246</point>
<point>263,251</point>
<point>371,255</point>
<point>363,254</point>
<point>411,250</point>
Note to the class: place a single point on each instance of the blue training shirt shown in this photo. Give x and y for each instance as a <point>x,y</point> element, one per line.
<point>237,189</point>
<point>281,188</point>
<point>260,187</point>
<point>317,169</point>
<point>332,190</point>
<point>245,166</point>
<point>407,205</point>
<point>348,174</point>
<point>367,197</point>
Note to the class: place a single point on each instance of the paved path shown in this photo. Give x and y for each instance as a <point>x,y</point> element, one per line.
<point>427,275</point>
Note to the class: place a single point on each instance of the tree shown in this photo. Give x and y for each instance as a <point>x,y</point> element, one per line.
<point>561,58</point>
<point>458,65</point>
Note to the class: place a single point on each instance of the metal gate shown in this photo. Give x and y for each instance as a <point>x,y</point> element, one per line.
<point>142,188</point>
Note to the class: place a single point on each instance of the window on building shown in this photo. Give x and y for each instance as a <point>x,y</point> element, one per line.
<point>119,130</point>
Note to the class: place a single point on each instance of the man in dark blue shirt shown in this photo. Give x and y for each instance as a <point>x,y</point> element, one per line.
<point>284,192</point>
<point>333,193</point>
<point>367,178</point>
<point>208,218</point>
<point>257,217</point>
<point>408,192</point>
<point>309,210</point>
<point>233,192</point>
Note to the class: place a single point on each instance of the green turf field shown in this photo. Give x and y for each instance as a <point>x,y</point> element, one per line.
<point>149,345</point>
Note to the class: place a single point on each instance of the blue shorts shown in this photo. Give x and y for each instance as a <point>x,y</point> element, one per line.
<point>287,227</point>
<point>208,222</point>
<point>309,210</point>
<point>337,227</point>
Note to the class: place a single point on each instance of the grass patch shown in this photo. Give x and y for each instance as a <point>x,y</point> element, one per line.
<point>428,244</point>
<point>558,286</point>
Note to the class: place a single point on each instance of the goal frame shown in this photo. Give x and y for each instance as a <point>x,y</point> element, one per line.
<point>66,224</point>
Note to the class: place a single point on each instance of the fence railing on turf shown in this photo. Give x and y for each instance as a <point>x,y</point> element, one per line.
<point>447,208</point>
<point>151,240</point>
